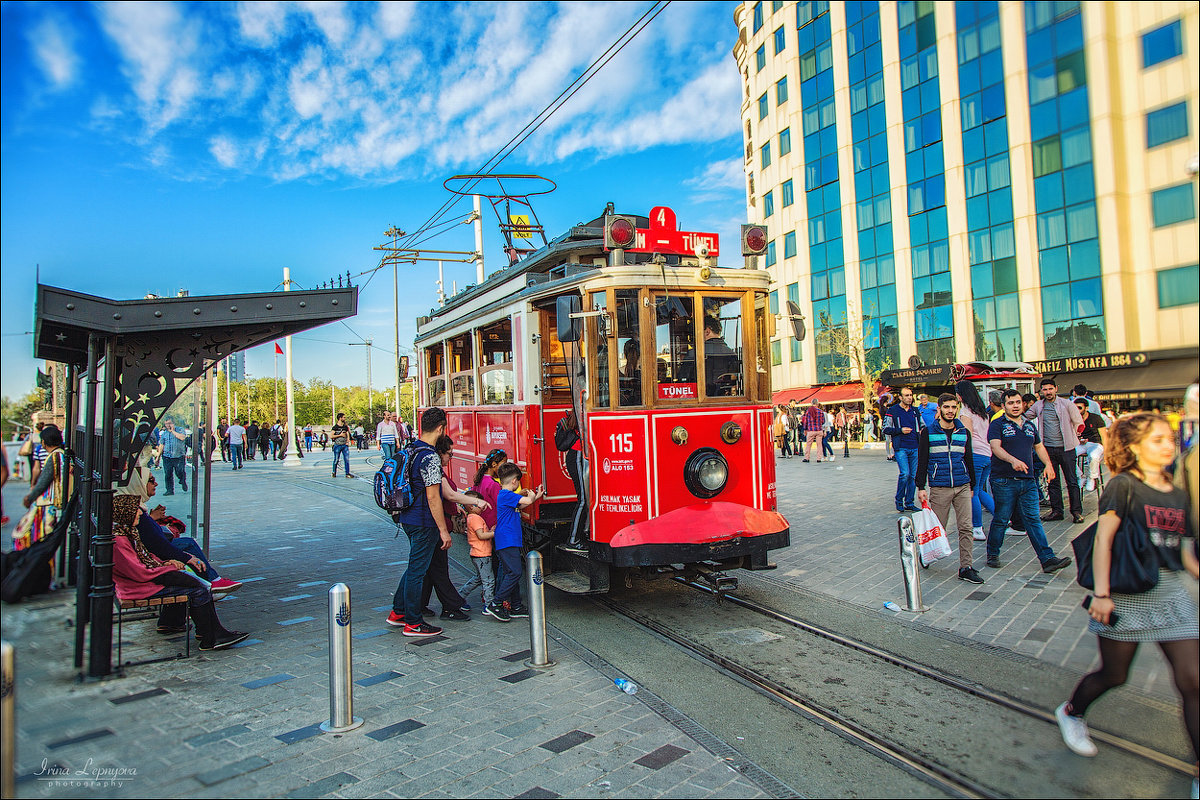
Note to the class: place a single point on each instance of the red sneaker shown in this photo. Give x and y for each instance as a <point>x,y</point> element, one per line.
<point>395,619</point>
<point>225,585</point>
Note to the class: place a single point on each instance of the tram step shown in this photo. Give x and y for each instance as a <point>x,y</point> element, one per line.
<point>572,583</point>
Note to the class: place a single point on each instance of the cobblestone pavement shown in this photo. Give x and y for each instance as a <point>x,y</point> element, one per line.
<point>458,715</point>
<point>845,546</point>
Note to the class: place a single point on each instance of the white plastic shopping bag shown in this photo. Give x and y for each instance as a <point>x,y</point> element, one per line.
<point>931,537</point>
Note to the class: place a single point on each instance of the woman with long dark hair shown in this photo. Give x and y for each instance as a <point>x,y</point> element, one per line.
<point>976,417</point>
<point>1141,501</point>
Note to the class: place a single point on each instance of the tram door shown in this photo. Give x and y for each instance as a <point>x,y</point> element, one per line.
<point>560,367</point>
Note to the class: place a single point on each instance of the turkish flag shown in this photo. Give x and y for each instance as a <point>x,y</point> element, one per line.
<point>278,352</point>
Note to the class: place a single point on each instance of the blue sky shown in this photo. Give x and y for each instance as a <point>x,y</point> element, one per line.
<point>149,147</point>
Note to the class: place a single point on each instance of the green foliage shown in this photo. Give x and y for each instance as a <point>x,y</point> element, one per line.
<point>20,410</point>
<point>314,402</point>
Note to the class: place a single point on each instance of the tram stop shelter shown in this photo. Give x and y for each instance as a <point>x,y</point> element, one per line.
<point>136,357</point>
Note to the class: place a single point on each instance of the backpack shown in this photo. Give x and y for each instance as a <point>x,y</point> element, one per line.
<point>564,437</point>
<point>393,484</point>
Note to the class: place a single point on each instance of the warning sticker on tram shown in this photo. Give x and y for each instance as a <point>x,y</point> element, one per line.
<point>677,391</point>
<point>621,503</point>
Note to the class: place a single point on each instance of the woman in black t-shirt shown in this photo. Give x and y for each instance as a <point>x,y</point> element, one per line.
<point>1092,436</point>
<point>1141,501</point>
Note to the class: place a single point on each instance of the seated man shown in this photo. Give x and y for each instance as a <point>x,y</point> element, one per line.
<point>720,361</point>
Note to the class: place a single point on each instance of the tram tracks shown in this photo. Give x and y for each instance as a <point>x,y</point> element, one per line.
<point>1021,707</point>
<point>955,736</point>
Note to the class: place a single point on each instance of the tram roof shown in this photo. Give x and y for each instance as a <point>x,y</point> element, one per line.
<point>561,263</point>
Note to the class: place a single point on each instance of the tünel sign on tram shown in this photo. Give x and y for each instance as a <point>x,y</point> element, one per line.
<point>663,236</point>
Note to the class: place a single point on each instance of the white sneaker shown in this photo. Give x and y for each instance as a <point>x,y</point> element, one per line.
<point>978,535</point>
<point>1091,484</point>
<point>1015,532</point>
<point>1074,732</point>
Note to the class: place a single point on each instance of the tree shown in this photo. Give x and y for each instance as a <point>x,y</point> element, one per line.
<point>21,411</point>
<point>857,347</point>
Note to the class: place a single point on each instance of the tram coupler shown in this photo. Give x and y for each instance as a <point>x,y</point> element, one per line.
<point>719,581</point>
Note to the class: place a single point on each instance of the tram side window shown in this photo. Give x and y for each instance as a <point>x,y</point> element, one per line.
<point>722,332</point>
<point>462,378</point>
<point>496,363</point>
<point>629,348</point>
<point>556,370</point>
<point>599,391</point>
<point>763,328</point>
<point>435,369</point>
<point>675,346</point>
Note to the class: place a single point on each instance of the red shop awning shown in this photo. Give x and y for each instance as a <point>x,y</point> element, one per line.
<point>840,393</point>
<point>799,394</point>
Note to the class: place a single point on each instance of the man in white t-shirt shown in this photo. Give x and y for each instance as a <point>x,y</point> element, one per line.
<point>360,437</point>
<point>237,443</point>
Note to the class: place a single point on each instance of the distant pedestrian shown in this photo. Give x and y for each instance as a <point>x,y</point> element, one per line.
<point>1059,422</point>
<point>174,452</point>
<point>237,441</point>
<point>324,439</point>
<point>995,404</point>
<point>827,437</point>
<point>1014,442</point>
<point>278,441</point>
<point>1141,501</point>
<point>360,436</point>
<point>904,425</point>
<point>1092,436</point>
<point>308,437</point>
<point>927,409</point>
<point>783,430</point>
<point>223,434</point>
<point>945,457</point>
<point>341,444</point>
<point>264,440</point>
<point>1081,391</point>
<point>387,434</point>
<point>251,440</point>
<point>813,423</point>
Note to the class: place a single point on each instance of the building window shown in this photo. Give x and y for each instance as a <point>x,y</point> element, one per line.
<point>776,5</point>
<point>764,155</point>
<point>1162,44</point>
<point>771,256</point>
<point>779,40</point>
<point>781,94</point>
<point>785,141</point>
<point>758,17</point>
<point>1179,286</point>
<point>789,244</point>
<point>760,58</point>
<point>786,193</point>
<point>768,204</point>
<point>1173,205</point>
<point>762,106</point>
<point>1166,125</point>
<point>776,353</point>
<point>773,302</point>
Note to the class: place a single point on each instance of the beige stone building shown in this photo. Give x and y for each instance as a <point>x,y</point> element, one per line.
<point>977,181</point>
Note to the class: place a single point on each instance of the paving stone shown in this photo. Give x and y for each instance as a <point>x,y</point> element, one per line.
<point>271,681</point>
<point>324,786</point>
<point>566,741</point>
<point>662,756</point>
<point>217,735</point>
<point>398,729</point>
<point>231,770</point>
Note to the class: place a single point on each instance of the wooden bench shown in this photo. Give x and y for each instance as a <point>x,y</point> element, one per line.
<point>128,607</point>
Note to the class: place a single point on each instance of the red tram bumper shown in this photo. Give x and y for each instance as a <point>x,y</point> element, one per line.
<point>717,531</point>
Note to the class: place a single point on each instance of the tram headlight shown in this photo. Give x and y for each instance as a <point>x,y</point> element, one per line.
<point>705,473</point>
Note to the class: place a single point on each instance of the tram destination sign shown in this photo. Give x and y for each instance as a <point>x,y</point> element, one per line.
<point>1057,366</point>
<point>663,236</point>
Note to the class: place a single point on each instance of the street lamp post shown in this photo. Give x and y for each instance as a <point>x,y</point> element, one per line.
<point>367,343</point>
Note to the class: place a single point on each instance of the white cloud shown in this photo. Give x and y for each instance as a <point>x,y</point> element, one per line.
<point>224,150</point>
<point>720,175</point>
<point>261,21</point>
<point>394,18</point>
<point>53,50</point>
<point>156,45</point>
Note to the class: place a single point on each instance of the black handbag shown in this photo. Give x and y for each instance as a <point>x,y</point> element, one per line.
<point>1134,567</point>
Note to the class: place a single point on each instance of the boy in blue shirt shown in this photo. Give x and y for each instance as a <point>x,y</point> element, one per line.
<point>507,602</point>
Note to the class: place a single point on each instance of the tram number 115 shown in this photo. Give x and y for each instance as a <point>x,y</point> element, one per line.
<point>621,442</point>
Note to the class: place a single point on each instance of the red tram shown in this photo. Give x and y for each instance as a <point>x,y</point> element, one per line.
<point>664,359</point>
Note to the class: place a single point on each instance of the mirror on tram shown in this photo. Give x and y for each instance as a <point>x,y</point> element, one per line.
<point>797,319</point>
<point>569,328</point>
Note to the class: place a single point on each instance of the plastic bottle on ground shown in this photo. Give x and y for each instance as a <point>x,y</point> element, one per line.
<point>626,686</point>
<point>890,606</point>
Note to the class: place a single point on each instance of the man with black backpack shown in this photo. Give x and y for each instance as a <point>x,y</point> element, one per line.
<point>424,524</point>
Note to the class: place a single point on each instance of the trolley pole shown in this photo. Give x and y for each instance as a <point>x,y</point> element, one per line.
<point>539,658</point>
<point>341,665</point>
<point>8,724</point>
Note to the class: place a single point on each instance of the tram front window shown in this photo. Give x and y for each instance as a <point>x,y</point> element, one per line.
<point>722,332</point>
<point>629,371</point>
<point>675,347</point>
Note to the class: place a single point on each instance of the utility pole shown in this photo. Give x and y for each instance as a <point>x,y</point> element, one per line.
<point>367,343</point>
<point>396,233</point>
<point>291,399</point>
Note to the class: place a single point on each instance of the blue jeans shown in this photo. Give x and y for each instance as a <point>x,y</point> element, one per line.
<point>508,588</point>
<point>174,468</point>
<point>344,451</point>
<point>1021,493</point>
<point>190,546</point>
<point>389,450</point>
<point>235,455</point>
<point>981,499</point>
<point>906,483</point>
<point>308,443</point>
<point>421,544</point>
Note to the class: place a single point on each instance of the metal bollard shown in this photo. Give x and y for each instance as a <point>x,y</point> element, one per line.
<point>341,666</point>
<point>910,565</point>
<point>8,723</point>
<point>539,657</point>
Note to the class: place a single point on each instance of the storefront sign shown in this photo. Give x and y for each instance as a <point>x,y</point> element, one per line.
<point>1057,366</point>
<point>935,373</point>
